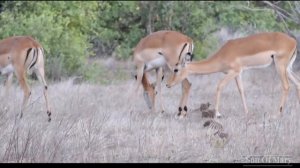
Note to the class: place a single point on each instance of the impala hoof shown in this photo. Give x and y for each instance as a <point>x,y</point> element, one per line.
<point>49,113</point>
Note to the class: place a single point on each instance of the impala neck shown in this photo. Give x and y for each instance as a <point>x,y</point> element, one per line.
<point>207,66</point>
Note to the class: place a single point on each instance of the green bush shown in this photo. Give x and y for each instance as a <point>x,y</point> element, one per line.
<point>206,48</point>
<point>59,27</point>
<point>71,31</point>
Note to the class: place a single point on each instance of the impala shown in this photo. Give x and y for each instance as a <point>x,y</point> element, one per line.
<point>21,54</point>
<point>154,52</point>
<point>237,55</point>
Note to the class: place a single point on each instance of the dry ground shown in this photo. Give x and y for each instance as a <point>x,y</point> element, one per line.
<point>91,123</point>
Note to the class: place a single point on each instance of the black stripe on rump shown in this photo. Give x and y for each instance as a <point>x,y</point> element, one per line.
<point>182,51</point>
<point>28,51</point>
<point>37,53</point>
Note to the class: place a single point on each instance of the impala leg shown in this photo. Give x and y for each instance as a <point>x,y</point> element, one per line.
<point>241,90</point>
<point>186,86</point>
<point>282,71</point>
<point>159,75</point>
<point>292,75</point>
<point>296,81</point>
<point>24,86</point>
<point>220,87</point>
<point>41,77</point>
<point>149,92</point>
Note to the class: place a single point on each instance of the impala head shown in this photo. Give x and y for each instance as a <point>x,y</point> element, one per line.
<point>180,72</point>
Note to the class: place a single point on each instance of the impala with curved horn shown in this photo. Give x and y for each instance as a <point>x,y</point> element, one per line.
<point>21,54</point>
<point>237,55</point>
<point>155,51</point>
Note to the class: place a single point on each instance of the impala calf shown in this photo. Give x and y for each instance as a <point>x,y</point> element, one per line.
<point>21,55</point>
<point>237,55</point>
<point>153,52</point>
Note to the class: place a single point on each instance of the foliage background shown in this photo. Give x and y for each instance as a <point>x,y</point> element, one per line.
<point>92,122</point>
<point>74,32</point>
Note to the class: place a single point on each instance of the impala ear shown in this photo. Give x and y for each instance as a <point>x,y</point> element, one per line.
<point>181,58</point>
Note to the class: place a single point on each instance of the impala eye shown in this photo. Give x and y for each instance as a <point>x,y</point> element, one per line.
<point>175,70</point>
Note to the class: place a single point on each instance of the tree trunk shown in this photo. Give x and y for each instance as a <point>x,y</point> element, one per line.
<point>149,24</point>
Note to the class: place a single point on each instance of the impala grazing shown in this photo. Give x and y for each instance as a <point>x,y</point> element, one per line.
<point>155,51</point>
<point>21,54</point>
<point>258,50</point>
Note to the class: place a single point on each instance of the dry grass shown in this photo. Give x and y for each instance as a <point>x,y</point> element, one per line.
<point>91,123</point>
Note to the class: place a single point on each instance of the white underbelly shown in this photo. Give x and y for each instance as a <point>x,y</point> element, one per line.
<point>259,66</point>
<point>7,69</point>
<point>259,60</point>
<point>155,63</point>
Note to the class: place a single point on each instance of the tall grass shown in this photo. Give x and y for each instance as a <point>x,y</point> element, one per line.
<point>91,123</point>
